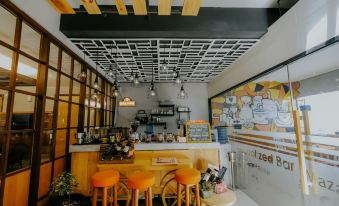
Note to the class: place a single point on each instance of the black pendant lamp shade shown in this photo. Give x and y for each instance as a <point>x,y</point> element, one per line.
<point>182,93</point>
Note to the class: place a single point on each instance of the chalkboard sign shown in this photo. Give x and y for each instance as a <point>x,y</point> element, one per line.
<point>198,132</point>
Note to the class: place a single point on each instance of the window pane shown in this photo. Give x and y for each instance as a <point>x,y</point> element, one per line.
<point>53,55</point>
<point>3,137</point>
<point>27,74</point>
<point>30,40</point>
<point>48,116</point>
<point>88,79</point>
<point>76,92</point>
<point>97,116</point>
<point>77,70</point>
<point>46,146</point>
<point>62,114</point>
<point>60,143</point>
<point>91,117</point>
<point>59,166</point>
<point>7,28</point>
<point>44,179</point>
<point>66,63</point>
<point>74,115</point>
<point>3,108</point>
<point>51,83</point>
<point>86,116</point>
<point>64,87</point>
<point>93,78</point>
<point>23,111</point>
<point>5,65</point>
<point>19,154</point>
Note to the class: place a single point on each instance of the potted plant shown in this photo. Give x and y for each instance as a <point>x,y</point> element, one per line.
<point>61,191</point>
<point>206,189</point>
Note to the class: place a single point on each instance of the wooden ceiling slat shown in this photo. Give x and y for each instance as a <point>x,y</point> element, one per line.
<point>121,7</point>
<point>139,7</point>
<point>61,6</point>
<point>164,7</point>
<point>191,7</point>
<point>91,6</point>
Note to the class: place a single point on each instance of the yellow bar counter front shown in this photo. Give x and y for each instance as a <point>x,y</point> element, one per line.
<point>85,163</point>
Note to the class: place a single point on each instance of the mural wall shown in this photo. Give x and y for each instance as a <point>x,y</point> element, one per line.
<point>262,106</point>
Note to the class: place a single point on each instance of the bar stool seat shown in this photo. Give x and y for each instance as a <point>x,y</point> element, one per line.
<point>140,181</point>
<point>188,177</point>
<point>106,179</point>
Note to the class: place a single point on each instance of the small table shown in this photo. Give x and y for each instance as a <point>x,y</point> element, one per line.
<point>224,199</point>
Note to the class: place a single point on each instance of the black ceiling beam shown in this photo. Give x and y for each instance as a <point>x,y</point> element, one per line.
<point>246,23</point>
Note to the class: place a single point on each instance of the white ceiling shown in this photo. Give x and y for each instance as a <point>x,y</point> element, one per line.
<point>210,3</point>
<point>198,60</point>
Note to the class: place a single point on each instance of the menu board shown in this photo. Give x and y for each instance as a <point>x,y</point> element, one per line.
<point>198,132</point>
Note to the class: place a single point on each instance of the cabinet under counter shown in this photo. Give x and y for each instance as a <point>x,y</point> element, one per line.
<point>84,162</point>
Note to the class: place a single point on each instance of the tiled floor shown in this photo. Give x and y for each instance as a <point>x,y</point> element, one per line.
<point>242,200</point>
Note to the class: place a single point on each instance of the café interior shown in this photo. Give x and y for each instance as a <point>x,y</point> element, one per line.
<point>169,102</point>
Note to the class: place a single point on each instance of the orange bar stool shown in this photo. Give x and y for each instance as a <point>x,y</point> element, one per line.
<point>141,181</point>
<point>107,179</point>
<point>188,177</point>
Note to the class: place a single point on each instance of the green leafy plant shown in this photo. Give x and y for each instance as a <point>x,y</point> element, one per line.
<point>207,186</point>
<point>63,185</point>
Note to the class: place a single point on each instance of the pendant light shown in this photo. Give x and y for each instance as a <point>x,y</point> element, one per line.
<point>116,91</point>
<point>110,73</point>
<point>96,81</point>
<point>136,81</point>
<point>95,95</point>
<point>177,78</point>
<point>152,91</point>
<point>83,74</point>
<point>164,66</point>
<point>131,78</point>
<point>182,93</point>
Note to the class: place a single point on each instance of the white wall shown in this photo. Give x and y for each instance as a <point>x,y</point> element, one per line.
<point>197,102</point>
<point>307,24</point>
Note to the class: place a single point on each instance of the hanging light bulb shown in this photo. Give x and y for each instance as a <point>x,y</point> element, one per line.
<point>110,73</point>
<point>83,75</point>
<point>152,92</point>
<point>174,73</point>
<point>131,78</point>
<point>96,83</point>
<point>182,93</point>
<point>95,94</point>
<point>164,66</point>
<point>116,91</point>
<point>136,80</point>
<point>178,79</point>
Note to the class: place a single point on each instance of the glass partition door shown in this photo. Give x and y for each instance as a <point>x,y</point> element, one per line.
<point>259,118</point>
<point>317,104</point>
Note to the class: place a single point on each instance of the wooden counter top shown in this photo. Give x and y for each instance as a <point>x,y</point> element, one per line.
<point>150,147</point>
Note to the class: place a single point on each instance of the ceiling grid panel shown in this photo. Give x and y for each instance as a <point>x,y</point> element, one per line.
<point>197,60</point>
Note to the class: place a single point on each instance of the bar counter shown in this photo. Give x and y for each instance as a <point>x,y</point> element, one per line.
<point>198,155</point>
<point>149,146</point>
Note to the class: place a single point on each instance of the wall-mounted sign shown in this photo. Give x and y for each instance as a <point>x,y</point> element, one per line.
<point>127,102</point>
<point>198,131</point>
